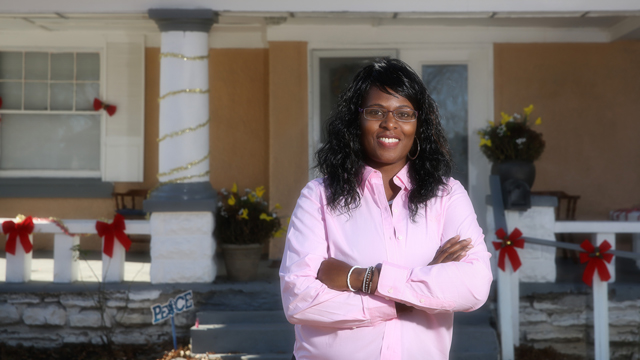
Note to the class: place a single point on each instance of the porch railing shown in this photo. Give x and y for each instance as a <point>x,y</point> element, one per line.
<point>65,251</point>
<point>508,280</point>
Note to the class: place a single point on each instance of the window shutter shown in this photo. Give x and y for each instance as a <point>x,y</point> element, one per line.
<point>123,139</point>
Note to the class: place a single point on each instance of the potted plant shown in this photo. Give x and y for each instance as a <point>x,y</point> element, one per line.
<point>512,146</point>
<point>243,225</point>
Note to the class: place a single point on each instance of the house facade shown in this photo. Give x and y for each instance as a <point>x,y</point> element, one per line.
<point>274,69</point>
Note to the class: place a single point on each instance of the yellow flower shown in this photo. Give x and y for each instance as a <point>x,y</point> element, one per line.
<point>505,117</point>
<point>277,207</point>
<point>280,233</point>
<point>539,121</point>
<point>485,142</point>
<point>260,191</point>
<point>232,200</point>
<point>492,123</point>
<point>528,110</point>
<point>252,197</point>
<point>264,216</point>
<point>234,188</point>
<point>244,214</point>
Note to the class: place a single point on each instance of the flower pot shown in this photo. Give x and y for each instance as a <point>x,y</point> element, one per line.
<point>241,261</point>
<point>515,169</point>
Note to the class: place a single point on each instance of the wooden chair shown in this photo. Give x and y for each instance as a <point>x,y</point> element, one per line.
<point>129,205</point>
<point>566,210</point>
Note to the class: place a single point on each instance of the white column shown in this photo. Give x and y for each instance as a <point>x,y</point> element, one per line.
<point>65,258</point>
<point>184,104</point>
<point>19,265</point>
<point>601,305</point>
<point>113,267</point>
<point>182,247</point>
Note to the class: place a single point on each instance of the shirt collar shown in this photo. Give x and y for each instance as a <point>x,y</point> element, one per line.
<point>402,175</point>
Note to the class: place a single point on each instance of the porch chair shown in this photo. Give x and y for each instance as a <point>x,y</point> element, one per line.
<point>129,205</point>
<point>566,210</point>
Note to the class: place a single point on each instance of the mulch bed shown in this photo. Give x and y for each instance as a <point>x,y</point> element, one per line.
<point>528,352</point>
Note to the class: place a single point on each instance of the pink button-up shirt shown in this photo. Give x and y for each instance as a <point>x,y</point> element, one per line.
<point>336,325</point>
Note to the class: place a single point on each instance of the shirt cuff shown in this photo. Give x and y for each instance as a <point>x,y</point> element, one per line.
<point>392,280</point>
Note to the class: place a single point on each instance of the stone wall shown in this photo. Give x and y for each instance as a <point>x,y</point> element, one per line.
<point>117,313</point>
<point>564,321</point>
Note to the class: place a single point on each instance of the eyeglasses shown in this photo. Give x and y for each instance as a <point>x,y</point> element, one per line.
<point>377,114</point>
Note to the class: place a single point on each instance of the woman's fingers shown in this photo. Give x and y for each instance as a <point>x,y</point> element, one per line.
<point>452,250</point>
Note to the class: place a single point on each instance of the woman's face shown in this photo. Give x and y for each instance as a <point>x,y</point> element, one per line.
<point>386,142</point>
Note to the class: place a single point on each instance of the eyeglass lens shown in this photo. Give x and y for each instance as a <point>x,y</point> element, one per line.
<point>399,114</point>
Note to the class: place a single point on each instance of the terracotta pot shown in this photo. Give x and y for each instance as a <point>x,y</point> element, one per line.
<point>241,261</point>
<point>515,169</point>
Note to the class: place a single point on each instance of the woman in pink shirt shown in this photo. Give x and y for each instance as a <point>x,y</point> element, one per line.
<point>374,266</point>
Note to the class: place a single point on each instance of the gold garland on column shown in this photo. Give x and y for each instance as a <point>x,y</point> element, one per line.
<point>183,131</point>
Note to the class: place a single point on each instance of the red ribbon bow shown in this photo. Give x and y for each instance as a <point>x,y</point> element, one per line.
<point>596,256</point>
<point>22,230</point>
<point>97,105</point>
<point>109,231</point>
<point>506,247</point>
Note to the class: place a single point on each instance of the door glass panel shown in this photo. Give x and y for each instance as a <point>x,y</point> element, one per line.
<point>88,67</point>
<point>35,96</point>
<point>448,85</point>
<point>10,65</point>
<point>62,66</point>
<point>11,93</point>
<point>335,75</point>
<point>62,96</point>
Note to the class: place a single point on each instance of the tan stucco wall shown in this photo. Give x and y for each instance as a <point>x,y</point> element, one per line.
<point>587,96</point>
<point>288,109</point>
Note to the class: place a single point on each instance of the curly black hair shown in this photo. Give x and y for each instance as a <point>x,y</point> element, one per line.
<point>341,157</point>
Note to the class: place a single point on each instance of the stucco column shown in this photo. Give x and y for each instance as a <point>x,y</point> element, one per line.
<point>182,245</point>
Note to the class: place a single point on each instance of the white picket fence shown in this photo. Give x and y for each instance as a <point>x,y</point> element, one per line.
<point>65,255</point>
<point>508,281</point>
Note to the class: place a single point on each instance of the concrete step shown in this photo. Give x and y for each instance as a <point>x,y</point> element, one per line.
<point>271,337</point>
<point>248,332</point>
<point>473,337</point>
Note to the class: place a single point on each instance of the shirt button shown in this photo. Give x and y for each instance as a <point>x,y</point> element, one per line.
<point>386,298</point>
<point>353,328</point>
<point>421,301</point>
<point>390,291</point>
<point>400,237</point>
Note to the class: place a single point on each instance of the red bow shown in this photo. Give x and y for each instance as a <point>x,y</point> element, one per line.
<point>596,256</point>
<point>97,105</point>
<point>13,231</point>
<point>506,247</point>
<point>108,231</point>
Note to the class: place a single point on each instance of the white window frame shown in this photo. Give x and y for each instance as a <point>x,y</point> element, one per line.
<point>42,173</point>
<point>122,83</point>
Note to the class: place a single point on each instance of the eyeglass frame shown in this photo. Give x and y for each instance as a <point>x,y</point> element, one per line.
<point>386,113</point>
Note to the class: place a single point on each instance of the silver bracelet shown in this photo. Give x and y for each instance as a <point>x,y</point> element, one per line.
<point>364,281</point>
<point>349,276</point>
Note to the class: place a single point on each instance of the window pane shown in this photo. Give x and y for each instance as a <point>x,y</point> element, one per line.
<point>62,66</point>
<point>88,66</point>
<point>10,65</point>
<point>36,66</point>
<point>35,96</point>
<point>11,93</point>
<point>85,93</point>
<point>50,142</point>
<point>62,96</point>
<point>447,85</point>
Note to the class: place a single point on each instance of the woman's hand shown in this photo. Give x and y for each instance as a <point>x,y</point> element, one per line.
<point>452,250</point>
<point>333,273</point>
